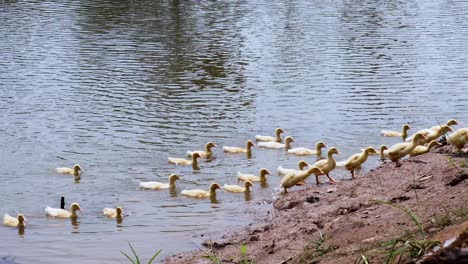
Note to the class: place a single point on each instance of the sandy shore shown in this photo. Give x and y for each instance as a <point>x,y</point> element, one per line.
<point>351,222</point>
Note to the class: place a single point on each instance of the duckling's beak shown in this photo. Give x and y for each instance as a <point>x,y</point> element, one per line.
<point>450,129</point>
<point>337,152</point>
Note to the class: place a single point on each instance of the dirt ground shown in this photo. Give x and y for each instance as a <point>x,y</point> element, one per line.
<point>349,220</point>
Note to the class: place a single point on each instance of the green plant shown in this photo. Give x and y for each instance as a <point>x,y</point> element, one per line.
<point>409,246</point>
<point>318,249</point>
<point>450,217</point>
<point>361,260</point>
<point>137,259</point>
<point>212,257</point>
<point>245,259</point>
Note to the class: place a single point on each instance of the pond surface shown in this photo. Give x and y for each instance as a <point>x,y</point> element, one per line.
<point>118,86</point>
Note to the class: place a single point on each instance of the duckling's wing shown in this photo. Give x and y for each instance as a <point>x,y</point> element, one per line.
<point>390,133</point>
<point>264,138</point>
<point>52,211</point>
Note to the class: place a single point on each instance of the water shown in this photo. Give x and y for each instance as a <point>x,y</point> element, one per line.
<point>118,86</point>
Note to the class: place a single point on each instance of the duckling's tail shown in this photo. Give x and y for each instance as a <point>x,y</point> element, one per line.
<point>341,163</point>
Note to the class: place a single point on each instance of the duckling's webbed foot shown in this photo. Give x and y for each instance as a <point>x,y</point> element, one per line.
<point>330,179</point>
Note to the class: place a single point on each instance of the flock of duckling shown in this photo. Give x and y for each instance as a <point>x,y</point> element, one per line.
<point>419,143</point>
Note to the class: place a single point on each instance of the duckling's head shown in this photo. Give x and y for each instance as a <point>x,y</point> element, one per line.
<point>303,164</point>
<point>406,127</point>
<point>119,211</point>
<point>371,150</point>
<point>320,145</point>
<point>210,145</point>
<point>250,144</point>
<point>288,140</point>
<point>434,143</point>
<point>452,122</point>
<point>75,207</point>
<point>264,172</point>
<point>214,187</point>
<point>278,131</point>
<point>248,184</point>
<point>173,178</point>
<point>21,218</point>
<point>446,128</point>
<point>383,148</point>
<point>419,136</point>
<point>332,151</point>
<point>76,167</point>
<point>315,170</point>
<point>196,155</point>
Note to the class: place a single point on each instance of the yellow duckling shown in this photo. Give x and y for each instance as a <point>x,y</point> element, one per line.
<point>398,151</point>
<point>403,134</point>
<point>197,193</point>
<point>239,189</point>
<point>204,154</point>
<point>154,185</point>
<point>277,145</point>
<point>185,162</point>
<point>306,151</point>
<point>282,171</point>
<point>326,165</point>
<point>459,138</point>
<point>254,178</point>
<point>419,150</point>
<point>356,160</point>
<point>113,213</point>
<point>247,149</point>
<point>76,170</point>
<point>432,134</point>
<point>61,213</point>
<point>451,122</point>
<point>278,132</point>
<point>19,221</point>
<point>292,179</point>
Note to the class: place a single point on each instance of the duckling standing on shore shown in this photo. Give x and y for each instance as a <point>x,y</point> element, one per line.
<point>356,160</point>
<point>398,151</point>
<point>278,132</point>
<point>459,138</point>
<point>419,150</point>
<point>326,165</point>
<point>292,179</point>
<point>451,122</point>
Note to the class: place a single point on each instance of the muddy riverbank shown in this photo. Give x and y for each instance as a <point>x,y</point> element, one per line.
<point>339,223</point>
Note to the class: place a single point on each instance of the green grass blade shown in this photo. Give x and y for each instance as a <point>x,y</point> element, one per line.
<point>134,253</point>
<point>128,257</point>
<point>409,212</point>
<point>154,256</point>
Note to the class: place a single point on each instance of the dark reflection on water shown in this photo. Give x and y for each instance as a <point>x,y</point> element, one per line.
<point>118,86</point>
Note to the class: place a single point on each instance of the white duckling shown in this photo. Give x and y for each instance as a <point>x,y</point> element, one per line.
<point>432,133</point>
<point>326,165</point>
<point>61,213</point>
<point>239,189</point>
<point>306,151</point>
<point>459,138</point>
<point>451,122</point>
<point>253,178</point>
<point>292,179</point>
<point>356,160</point>
<point>398,151</point>
<point>247,149</point>
<point>282,171</point>
<point>185,162</point>
<point>278,132</point>
<point>154,185</point>
<point>19,221</point>
<point>419,150</point>
<point>204,154</point>
<point>277,145</point>
<point>197,193</point>
<point>76,170</point>
<point>113,213</point>
<point>403,134</point>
